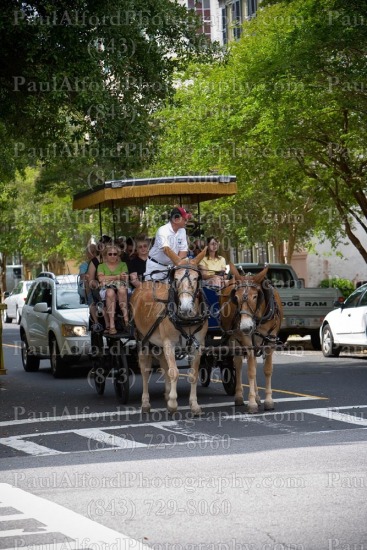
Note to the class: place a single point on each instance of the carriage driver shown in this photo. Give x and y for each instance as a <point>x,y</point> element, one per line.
<point>172,234</point>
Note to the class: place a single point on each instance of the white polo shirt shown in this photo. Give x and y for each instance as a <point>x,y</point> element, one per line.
<point>165,236</point>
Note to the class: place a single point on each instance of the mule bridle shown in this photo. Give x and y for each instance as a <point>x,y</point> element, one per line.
<point>271,312</point>
<point>172,311</point>
<point>193,292</point>
<point>252,313</point>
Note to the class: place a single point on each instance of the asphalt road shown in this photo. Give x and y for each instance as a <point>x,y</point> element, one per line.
<point>83,471</point>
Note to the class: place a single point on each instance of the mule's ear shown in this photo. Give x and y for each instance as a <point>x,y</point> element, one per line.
<point>175,259</point>
<point>200,256</point>
<point>259,277</point>
<point>234,271</point>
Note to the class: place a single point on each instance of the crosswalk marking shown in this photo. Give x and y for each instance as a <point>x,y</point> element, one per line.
<point>184,434</point>
<point>109,439</point>
<point>28,447</point>
<point>331,414</point>
<point>128,412</point>
<point>60,527</point>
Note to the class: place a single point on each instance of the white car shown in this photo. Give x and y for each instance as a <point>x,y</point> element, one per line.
<point>54,324</point>
<point>346,326</point>
<point>15,302</point>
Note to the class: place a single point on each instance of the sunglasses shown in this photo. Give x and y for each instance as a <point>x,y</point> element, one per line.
<point>112,254</point>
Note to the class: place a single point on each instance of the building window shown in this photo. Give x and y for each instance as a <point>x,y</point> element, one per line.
<point>251,7</point>
<point>236,19</point>
<point>224,26</point>
<point>202,9</point>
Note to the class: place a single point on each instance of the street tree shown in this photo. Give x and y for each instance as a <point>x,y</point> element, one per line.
<point>287,114</point>
<point>78,80</point>
<point>203,131</point>
<point>8,233</point>
<point>46,229</point>
<point>307,64</point>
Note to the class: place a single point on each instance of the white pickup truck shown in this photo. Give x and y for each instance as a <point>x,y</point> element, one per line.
<point>304,308</point>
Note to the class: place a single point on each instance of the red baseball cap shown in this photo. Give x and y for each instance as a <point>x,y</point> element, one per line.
<point>179,211</point>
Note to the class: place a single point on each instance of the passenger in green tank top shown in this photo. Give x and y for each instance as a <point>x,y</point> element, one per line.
<point>113,278</point>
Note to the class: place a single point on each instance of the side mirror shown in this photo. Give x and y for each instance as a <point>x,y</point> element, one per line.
<point>339,302</point>
<point>42,307</point>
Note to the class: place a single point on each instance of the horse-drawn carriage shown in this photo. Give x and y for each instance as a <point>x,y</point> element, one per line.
<point>182,318</point>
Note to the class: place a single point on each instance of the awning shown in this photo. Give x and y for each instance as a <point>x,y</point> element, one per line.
<point>166,190</point>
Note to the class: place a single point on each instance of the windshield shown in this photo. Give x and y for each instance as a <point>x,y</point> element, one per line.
<point>67,297</point>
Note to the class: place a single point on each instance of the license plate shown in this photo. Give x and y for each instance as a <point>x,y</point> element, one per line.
<point>297,322</point>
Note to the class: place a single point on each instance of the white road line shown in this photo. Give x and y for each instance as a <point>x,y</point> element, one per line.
<point>21,443</point>
<point>84,532</point>
<point>325,412</point>
<point>28,447</point>
<point>330,414</point>
<point>128,412</point>
<point>109,439</point>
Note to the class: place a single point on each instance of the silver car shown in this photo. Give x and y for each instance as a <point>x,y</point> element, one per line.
<point>15,302</point>
<point>54,325</point>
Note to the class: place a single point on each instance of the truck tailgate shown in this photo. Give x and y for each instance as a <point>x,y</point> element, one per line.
<point>306,307</point>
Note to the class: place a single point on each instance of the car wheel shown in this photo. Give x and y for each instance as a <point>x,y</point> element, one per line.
<point>6,318</point>
<point>58,366</point>
<point>315,341</point>
<point>327,345</point>
<point>30,362</point>
<point>17,316</point>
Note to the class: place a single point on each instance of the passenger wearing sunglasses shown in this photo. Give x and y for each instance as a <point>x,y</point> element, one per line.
<point>137,264</point>
<point>113,278</point>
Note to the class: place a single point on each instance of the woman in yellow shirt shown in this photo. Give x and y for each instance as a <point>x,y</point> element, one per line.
<point>213,266</point>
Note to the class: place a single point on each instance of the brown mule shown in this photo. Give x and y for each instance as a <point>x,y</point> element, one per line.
<point>251,316</point>
<point>169,316</point>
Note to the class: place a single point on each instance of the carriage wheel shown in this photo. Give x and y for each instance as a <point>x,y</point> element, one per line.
<point>101,368</point>
<point>228,373</point>
<point>121,377</point>
<point>100,375</point>
<point>205,370</point>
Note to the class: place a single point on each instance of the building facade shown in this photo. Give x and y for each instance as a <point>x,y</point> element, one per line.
<point>222,19</point>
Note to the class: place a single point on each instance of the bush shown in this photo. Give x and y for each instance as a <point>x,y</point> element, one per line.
<point>345,286</point>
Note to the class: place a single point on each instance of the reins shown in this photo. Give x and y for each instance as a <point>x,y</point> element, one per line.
<point>270,312</point>
<point>172,310</point>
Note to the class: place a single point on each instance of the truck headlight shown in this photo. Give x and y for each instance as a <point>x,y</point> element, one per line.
<point>74,330</point>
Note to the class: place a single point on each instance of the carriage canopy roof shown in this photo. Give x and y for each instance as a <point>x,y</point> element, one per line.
<point>142,192</point>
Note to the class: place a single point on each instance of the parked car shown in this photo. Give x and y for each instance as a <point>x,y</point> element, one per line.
<point>346,326</point>
<point>54,324</point>
<point>15,302</point>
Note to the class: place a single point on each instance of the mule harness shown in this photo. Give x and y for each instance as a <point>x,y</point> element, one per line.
<point>171,310</point>
<point>271,311</point>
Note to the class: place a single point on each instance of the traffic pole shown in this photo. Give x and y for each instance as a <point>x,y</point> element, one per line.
<point>3,307</point>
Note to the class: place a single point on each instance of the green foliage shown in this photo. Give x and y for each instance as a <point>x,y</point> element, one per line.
<point>80,79</point>
<point>287,113</point>
<point>44,228</point>
<point>344,285</point>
